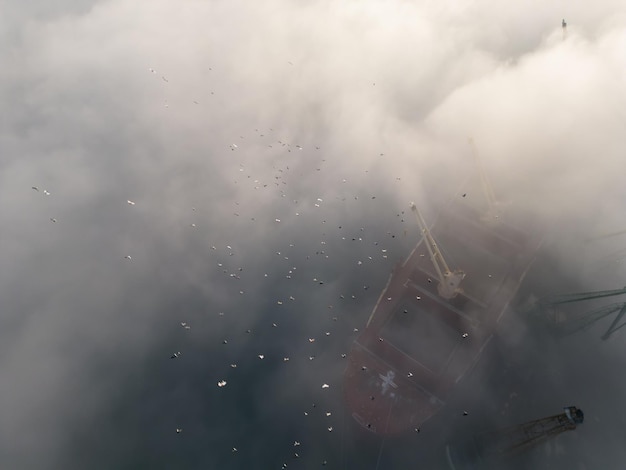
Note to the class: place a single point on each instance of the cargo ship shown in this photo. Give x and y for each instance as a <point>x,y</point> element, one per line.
<point>436,315</point>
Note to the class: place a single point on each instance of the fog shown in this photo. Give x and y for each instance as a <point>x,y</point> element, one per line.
<point>245,169</point>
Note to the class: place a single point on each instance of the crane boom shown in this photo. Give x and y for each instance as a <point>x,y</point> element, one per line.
<point>565,323</point>
<point>614,324</point>
<point>491,449</point>
<point>581,322</point>
<point>512,440</point>
<point>576,297</point>
<point>449,282</point>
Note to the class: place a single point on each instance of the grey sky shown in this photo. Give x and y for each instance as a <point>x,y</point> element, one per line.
<point>265,127</point>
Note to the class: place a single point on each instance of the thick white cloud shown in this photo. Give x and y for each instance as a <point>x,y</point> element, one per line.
<point>205,105</point>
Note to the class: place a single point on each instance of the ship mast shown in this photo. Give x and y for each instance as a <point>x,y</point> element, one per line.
<point>449,281</point>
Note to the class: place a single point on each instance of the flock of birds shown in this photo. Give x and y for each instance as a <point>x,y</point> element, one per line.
<point>324,239</point>
<point>324,242</point>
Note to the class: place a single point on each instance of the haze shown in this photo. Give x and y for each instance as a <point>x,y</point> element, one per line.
<point>242,165</point>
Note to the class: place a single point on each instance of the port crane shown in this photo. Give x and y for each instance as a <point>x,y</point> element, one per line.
<point>449,281</point>
<point>491,447</point>
<point>548,308</point>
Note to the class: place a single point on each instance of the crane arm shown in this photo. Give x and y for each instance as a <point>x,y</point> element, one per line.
<point>514,439</point>
<point>586,320</point>
<point>576,297</point>
<point>448,281</point>
<point>431,245</point>
<point>614,325</point>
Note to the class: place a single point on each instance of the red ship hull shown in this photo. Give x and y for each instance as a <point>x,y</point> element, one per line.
<point>417,346</point>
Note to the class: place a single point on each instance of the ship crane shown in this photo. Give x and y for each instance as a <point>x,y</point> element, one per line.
<point>449,281</point>
<point>491,447</point>
<point>568,324</point>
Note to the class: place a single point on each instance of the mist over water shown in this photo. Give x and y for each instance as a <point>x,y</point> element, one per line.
<point>229,183</point>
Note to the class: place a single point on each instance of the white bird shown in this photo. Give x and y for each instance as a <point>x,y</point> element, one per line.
<point>130,202</point>
<point>221,383</point>
<point>179,430</point>
<point>47,193</point>
<point>127,257</point>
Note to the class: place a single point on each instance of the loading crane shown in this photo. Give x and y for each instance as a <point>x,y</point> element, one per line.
<point>449,281</point>
<point>566,324</point>
<point>488,449</point>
